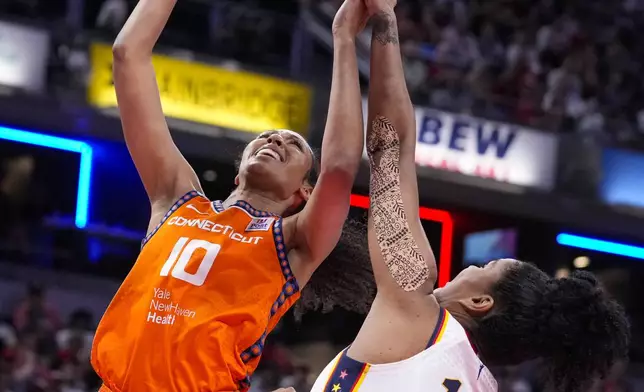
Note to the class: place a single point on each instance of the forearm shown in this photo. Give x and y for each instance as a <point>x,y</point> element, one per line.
<point>143,28</point>
<point>388,95</point>
<point>344,133</point>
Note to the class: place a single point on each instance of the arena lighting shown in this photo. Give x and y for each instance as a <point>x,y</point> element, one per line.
<point>577,241</point>
<point>64,144</point>
<point>447,234</point>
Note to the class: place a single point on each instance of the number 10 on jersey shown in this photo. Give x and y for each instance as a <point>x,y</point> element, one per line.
<point>181,255</point>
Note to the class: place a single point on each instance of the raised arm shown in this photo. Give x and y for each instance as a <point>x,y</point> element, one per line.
<point>319,225</point>
<point>165,173</point>
<point>402,259</point>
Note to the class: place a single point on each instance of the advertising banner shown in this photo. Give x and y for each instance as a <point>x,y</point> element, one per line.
<point>211,95</point>
<point>483,148</point>
<point>24,52</point>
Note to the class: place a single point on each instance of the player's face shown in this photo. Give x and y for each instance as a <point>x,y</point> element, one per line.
<point>472,287</point>
<point>483,277</point>
<point>278,162</point>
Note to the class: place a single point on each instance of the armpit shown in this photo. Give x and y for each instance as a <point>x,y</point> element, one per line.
<point>397,244</point>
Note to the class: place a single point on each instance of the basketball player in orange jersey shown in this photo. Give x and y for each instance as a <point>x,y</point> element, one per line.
<point>214,278</point>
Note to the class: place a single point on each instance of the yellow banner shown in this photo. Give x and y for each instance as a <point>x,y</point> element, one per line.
<point>211,95</point>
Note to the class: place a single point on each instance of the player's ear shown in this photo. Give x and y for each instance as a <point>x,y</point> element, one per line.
<point>305,191</point>
<point>237,180</point>
<point>478,306</point>
<point>301,196</point>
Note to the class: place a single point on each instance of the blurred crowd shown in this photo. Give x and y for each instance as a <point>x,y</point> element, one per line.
<point>40,352</point>
<point>567,66</point>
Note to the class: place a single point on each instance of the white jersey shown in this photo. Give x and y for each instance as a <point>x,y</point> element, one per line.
<point>449,364</point>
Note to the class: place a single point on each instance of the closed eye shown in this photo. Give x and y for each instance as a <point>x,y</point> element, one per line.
<point>297,144</point>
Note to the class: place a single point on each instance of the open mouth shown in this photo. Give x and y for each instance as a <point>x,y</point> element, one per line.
<point>270,153</point>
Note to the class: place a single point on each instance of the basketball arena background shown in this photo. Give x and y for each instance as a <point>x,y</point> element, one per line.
<point>530,119</point>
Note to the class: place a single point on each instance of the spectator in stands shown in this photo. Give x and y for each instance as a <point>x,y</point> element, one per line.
<point>35,313</point>
<point>299,379</point>
<point>79,329</point>
<point>112,15</point>
<point>71,367</point>
<point>557,36</point>
<point>27,371</point>
<point>15,183</point>
<point>457,47</point>
<point>8,339</point>
<point>563,90</point>
<point>489,46</point>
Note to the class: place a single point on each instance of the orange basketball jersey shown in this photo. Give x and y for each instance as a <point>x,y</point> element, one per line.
<point>194,311</point>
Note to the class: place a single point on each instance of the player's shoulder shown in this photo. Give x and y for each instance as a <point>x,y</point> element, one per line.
<point>197,205</point>
<point>170,205</point>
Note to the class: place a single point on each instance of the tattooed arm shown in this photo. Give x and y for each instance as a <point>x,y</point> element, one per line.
<point>403,313</point>
<point>396,236</point>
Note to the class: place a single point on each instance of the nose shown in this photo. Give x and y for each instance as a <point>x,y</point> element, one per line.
<point>276,139</point>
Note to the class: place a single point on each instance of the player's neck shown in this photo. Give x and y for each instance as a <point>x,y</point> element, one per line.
<point>455,308</point>
<point>259,200</point>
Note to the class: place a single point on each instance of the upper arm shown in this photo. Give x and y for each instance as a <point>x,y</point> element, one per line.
<point>165,173</point>
<point>318,227</point>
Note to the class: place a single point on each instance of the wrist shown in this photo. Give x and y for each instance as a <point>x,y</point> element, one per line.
<point>342,38</point>
<point>384,11</point>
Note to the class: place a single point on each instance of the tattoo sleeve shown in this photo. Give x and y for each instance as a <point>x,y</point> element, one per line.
<point>385,29</point>
<point>395,240</point>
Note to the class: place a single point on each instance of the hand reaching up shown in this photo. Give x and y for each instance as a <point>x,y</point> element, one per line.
<point>350,19</point>
<point>375,7</point>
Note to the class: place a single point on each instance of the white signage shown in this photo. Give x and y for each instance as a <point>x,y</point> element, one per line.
<point>487,149</point>
<point>24,52</point>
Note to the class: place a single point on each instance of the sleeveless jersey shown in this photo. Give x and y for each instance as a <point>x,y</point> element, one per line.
<point>448,364</point>
<point>193,313</point>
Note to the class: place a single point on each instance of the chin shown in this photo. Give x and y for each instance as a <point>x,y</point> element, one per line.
<point>258,167</point>
<point>262,176</point>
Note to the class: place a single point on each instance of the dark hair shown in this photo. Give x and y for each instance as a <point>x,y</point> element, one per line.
<point>577,330</point>
<point>314,172</point>
<point>345,278</point>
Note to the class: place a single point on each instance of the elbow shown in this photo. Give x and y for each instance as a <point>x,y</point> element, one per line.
<point>122,52</point>
<point>341,169</point>
<point>342,176</point>
<point>342,161</point>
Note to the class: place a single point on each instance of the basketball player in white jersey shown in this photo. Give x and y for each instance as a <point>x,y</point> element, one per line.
<point>395,349</point>
<point>418,339</point>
